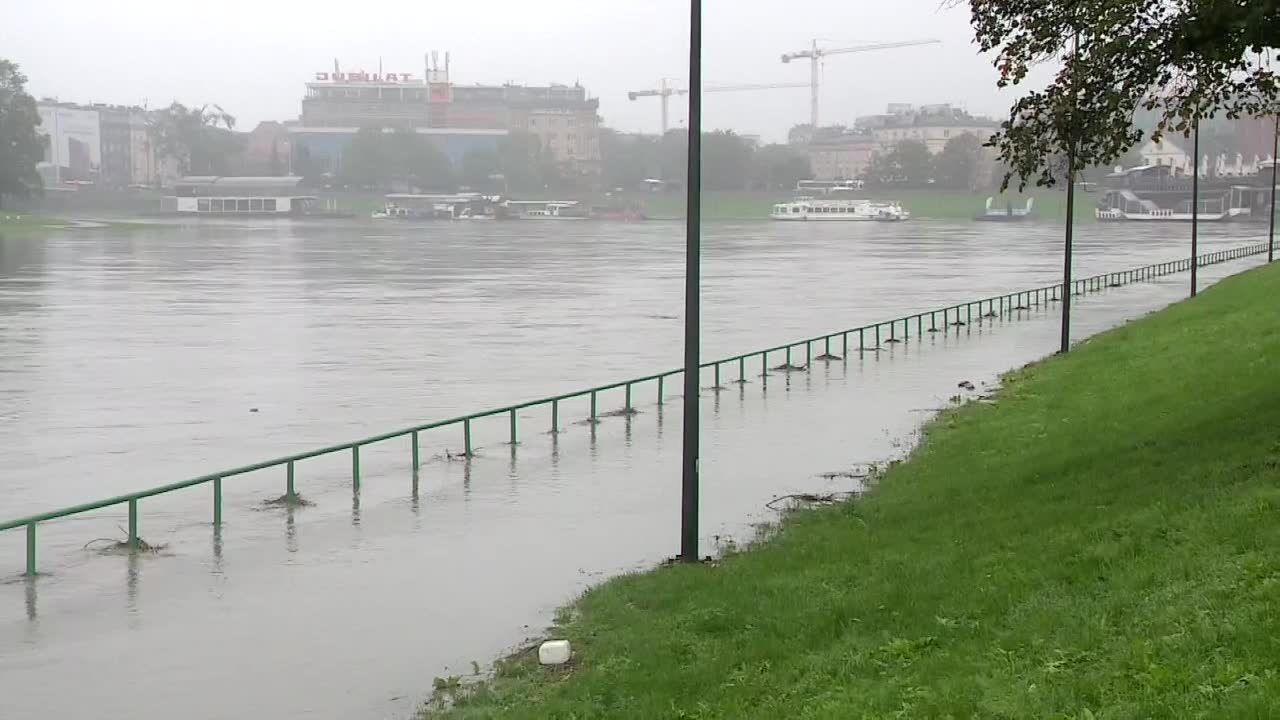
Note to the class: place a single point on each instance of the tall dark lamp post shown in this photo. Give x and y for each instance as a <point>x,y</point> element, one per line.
<point>1195,205</point>
<point>1275,161</point>
<point>692,290</point>
<point>1071,201</point>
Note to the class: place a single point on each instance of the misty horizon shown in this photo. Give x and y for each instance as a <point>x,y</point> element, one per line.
<point>147,57</point>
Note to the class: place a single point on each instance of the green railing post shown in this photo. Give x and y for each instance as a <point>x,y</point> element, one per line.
<point>742,370</point>
<point>877,336</point>
<point>288,482</point>
<point>628,402</point>
<point>826,345</point>
<point>844,349</point>
<point>466,437</point>
<point>717,375</point>
<point>661,383</point>
<point>413,440</point>
<point>808,353</point>
<point>764,368</point>
<point>133,523</point>
<point>31,549</point>
<point>788,357</point>
<point>919,326</point>
<point>593,406</point>
<point>555,411</point>
<point>513,425</point>
<point>861,336</point>
<point>355,467</point>
<point>217,502</point>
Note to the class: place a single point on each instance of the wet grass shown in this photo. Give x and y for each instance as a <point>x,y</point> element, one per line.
<point>1100,542</point>
<point>25,224</point>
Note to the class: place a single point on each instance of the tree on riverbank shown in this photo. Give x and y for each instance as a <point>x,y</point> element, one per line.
<point>200,139</point>
<point>21,147</point>
<point>397,160</point>
<point>908,164</point>
<point>1185,61</point>
<point>960,165</point>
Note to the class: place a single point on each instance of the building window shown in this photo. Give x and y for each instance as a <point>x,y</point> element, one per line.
<point>202,205</point>
<point>572,122</point>
<point>533,122</point>
<point>269,204</point>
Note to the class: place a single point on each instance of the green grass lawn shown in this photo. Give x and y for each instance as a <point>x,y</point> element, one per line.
<point>16,221</point>
<point>23,223</point>
<point>1101,542</point>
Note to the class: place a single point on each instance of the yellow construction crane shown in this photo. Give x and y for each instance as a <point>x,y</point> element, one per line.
<point>815,55</point>
<point>665,91</point>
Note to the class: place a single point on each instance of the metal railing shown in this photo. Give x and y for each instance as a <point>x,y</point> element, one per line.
<point>868,338</point>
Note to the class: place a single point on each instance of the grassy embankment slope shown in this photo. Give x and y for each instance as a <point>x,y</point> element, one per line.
<point>25,224</point>
<point>923,204</point>
<point>1101,542</point>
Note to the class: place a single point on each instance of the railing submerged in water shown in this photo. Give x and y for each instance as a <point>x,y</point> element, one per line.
<point>952,316</point>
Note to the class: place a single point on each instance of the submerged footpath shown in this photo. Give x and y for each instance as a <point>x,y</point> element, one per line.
<point>1101,541</point>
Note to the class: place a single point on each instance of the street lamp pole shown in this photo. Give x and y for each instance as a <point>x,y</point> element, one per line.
<point>692,290</point>
<point>1195,205</point>
<point>1071,201</point>
<point>1275,161</point>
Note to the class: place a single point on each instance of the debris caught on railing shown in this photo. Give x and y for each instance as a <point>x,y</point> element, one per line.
<point>123,547</point>
<point>294,501</point>
<point>802,499</point>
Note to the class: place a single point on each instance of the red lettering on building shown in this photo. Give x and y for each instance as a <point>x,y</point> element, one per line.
<point>364,77</point>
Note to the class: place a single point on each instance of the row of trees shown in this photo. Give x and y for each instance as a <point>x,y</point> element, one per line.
<point>962,165</point>
<point>403,160</point>
<point>729,161</point>
<point>408,161</point>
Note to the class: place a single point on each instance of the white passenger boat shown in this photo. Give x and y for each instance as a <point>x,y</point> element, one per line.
<point>546,210</point>
<point>810,209</point>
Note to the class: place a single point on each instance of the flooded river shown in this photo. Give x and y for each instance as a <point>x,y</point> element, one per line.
<point>135,358</point>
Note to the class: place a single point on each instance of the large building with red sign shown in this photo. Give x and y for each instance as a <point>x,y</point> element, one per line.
<point>455,118</point>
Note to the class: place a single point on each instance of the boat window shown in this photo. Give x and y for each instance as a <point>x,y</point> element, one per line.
<point>795,210</point>
<point>202,205</point>
<point>255,204</point>
<point>242,205</point>
<point>269,204</point>
<point>215,205</point>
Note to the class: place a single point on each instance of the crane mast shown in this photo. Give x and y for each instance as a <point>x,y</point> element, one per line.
<point>814,55</point>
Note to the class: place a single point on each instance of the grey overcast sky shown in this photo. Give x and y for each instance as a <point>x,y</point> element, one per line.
<point>253,57</point>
